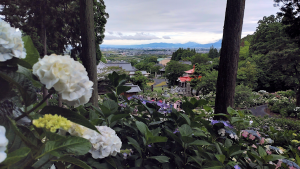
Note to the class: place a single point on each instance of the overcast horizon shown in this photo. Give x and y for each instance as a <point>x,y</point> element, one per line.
<point>133,22</point>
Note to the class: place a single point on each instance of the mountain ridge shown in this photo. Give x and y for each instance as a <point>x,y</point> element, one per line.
<point>167,45</point>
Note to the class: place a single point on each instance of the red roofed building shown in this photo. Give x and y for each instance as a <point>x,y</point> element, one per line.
<point>186,77</point>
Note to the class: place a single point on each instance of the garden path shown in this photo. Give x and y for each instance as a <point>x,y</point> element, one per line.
<point>259,110</point>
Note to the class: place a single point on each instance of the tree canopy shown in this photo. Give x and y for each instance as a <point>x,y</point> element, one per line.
<point>60,19</point>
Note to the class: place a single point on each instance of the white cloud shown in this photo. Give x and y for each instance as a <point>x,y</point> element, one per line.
<point>195,20</point>
<point>137,36</point>
<point>166,37</point>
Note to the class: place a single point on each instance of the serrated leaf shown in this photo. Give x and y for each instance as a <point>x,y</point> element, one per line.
<point>69,145</point>
<point>70,115</point>
<point>75,161</point>
<point>16,156</point>
<point>161,159</point>
<point>23,84</point>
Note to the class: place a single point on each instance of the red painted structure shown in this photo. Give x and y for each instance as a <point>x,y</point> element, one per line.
<point>186,77</point>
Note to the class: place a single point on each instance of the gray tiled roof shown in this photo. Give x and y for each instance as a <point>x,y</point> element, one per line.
<point>125,66</point>
<point>134,88</point>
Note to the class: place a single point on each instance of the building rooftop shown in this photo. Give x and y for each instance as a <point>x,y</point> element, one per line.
<point>134,88</point>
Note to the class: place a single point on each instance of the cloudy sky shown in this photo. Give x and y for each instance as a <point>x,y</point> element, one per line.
<point>175,21</point>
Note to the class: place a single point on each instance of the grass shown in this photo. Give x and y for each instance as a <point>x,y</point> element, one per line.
<point>161,84</point>
<point>157,89</point>
<point>151,83</point>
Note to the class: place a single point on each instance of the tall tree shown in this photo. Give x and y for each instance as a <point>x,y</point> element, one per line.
<point>229,55</point>
<point>88,45</point>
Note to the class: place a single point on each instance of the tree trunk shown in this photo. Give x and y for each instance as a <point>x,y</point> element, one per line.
<point>229,55</point>
<point>298,97</point>
<point>88,54</point>
<point>44,42</point>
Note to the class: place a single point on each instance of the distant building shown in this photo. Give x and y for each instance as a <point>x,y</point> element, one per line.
<point>186,77</point>
<point>131,74</point>
<point>135,89</point>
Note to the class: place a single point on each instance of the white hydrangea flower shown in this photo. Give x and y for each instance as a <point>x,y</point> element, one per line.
<point>103,145</point>
<point>221,132</point>
<point>11,44</point>
<point>269,141</point>
<point>66,76</point>
<point>3,144</point>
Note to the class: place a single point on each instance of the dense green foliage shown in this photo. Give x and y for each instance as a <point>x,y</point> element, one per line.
<point>183,54</point>
<point>139,79</point>
<point>174,70</point>
<point>61,20</point>
<point>213,53</point>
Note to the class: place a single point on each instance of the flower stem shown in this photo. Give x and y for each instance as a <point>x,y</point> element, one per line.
<point>35,107</point>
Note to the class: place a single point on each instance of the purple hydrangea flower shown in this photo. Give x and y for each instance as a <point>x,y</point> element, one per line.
<point>237,167</point>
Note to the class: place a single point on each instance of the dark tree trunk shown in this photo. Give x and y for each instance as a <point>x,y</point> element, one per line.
<point>298,97</point>
<point>88,53</point>
<point>229,55</point>
<point>44,42</point>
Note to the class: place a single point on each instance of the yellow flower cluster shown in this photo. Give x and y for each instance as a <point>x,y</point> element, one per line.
<point>295,141</point>
<point>294,134</point>
<point>52,122</point>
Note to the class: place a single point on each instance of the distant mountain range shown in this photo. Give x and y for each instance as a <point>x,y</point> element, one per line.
<point>167,45</point>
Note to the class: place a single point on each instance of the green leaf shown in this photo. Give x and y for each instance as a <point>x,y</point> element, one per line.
<point>135,144</point>
<point>161,159</point>
<point>297,159</point>
<point>110,161</point>
<point>202,102</point>
<point>185,130</point>
<point>99,111</point>
<point>277,157</point>
<point>138,162</point>
<point>187,119</point>
<point>231,111</point>
<point>111,105</point>
<point>220,157</point>
<point>23,84</point>
<point>32,54</point>
<point>261,152</point>
<point>118,117</point>
<point>19,133</point>
<point>200,143</point>
<point>173,136</point>
<point>74,161</point>
<point>16,156</point>
<point>228,143</point>
<point>106,112</point>
<point>69,145</point>
<point>44,162</point>
<point>157,139</point>
<point>70,115</point>
<point>142,127</point>
<point>122,89</point>
<point>187,139</point>
<point>236,119</point>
